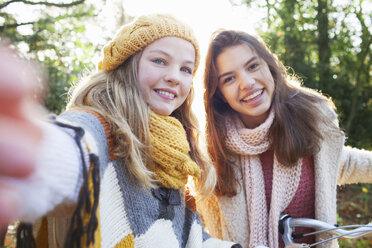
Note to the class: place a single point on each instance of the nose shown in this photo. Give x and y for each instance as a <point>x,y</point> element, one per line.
<point>246,81</point>
<point>172,75</point>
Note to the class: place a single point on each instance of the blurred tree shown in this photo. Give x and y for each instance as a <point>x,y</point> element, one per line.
<point>53,35</point>
<point>324,50</point>
<point>328,44</point>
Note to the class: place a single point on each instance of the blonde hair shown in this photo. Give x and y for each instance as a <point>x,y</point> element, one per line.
<point>114,94</point>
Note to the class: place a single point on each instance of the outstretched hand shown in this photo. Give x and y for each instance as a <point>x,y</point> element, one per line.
<point>19,136</point>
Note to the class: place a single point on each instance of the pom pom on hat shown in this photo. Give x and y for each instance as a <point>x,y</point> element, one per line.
<point>134,36</point>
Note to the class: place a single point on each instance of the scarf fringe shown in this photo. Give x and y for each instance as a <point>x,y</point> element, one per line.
<point>80,232</point>
<point>25,238</point>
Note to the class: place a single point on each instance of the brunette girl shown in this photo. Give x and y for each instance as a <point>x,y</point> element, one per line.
<point>276,145</point>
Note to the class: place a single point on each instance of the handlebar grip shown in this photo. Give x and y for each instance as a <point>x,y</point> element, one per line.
<point>281,221</point>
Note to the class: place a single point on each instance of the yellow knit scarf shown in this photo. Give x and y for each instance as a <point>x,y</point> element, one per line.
<point>171,152</point>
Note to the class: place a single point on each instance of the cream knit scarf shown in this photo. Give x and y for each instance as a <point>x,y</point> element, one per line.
<point>249,143</point>
<point>171,152</point>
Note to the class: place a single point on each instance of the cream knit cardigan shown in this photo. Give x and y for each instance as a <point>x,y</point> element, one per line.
<point>335,164</point>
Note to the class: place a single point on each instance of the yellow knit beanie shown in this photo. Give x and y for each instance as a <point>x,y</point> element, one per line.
<point>134,36</point>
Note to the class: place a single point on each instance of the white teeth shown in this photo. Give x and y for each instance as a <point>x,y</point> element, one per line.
<point>166,93</point>
<point>253,95</point>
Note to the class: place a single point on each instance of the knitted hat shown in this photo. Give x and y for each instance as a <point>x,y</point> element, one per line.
<point>134,36</point>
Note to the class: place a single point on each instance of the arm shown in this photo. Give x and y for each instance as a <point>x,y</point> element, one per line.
<point>211,242</point>
<point>216,243</point>
<point>57,177</point>
<point>356,166</point>
<point>18,135</point>
<point>208,241</point>
<point>39,163</point>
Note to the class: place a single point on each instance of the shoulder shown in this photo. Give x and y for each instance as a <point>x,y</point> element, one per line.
<point>84,118</point>
<point>327,107</point>
<point>96,128</point>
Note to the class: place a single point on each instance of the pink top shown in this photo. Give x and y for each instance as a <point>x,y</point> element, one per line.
<point>303,202</point>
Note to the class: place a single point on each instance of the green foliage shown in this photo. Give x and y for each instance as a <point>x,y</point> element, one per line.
<point>55,38</point>
<point>329,47</point>
<point>355,209</point>
<point>347,243</point>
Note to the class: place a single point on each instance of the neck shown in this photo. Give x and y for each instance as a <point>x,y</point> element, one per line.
<point>252,122</point>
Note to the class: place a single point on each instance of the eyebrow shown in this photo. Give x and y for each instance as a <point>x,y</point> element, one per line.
<point>229,72</point>
<point>168,55</point>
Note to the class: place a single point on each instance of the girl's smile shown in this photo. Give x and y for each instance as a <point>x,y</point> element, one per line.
<point>166,93</point>
<point>246,83</point>
<point>165,73</point>
<point>253,97</point>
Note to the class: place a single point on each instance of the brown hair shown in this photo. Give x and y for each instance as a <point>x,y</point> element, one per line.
<point>294,132</point>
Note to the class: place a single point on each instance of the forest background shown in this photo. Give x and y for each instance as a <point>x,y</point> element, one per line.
<point>327,43</point>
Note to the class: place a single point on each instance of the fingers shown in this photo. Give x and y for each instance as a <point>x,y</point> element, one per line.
<point>20,81</point>
<point>8,206</point>
<point>14,75</point>
<point>17,154</point>
<point>18,147</point>
<point>19,135</point>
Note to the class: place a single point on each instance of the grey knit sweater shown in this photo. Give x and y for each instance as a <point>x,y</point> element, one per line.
<point>128,214</point>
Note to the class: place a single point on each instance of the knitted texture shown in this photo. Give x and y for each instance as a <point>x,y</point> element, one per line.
<point>303,202</point>
<point>249,143</point>
<point>171,152</point>
<point>130,215</point>
<point>351,165</point>
<point>134,36</point>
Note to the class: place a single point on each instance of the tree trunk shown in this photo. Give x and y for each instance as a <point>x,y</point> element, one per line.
<point>324,51</point>
<point>362,67</point>
<point>354,99</point>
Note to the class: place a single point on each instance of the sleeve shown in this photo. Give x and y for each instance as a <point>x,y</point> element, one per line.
<point>215,228</point>
<point>356,166</point>
<point>198,228</point>
<point>212,217</point>
<point>217,243</point>
<point>211,242</point>
<point>58,176</point>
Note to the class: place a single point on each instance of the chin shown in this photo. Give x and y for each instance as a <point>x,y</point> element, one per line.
<point>162,112</point>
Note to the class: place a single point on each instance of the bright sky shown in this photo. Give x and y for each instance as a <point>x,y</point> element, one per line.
<point>204,16</point>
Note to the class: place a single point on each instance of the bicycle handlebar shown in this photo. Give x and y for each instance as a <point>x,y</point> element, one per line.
<point>287,226</point>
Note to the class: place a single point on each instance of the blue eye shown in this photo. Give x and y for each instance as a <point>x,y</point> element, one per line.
<point>187,70</point>
<point>159,61</point>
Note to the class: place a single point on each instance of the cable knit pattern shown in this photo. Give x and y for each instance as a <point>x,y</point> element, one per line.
<point>303,202</point>
<point>136,35</point>
<point>171,152</point>
<point>249,143</point>
<point>131,216</point>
